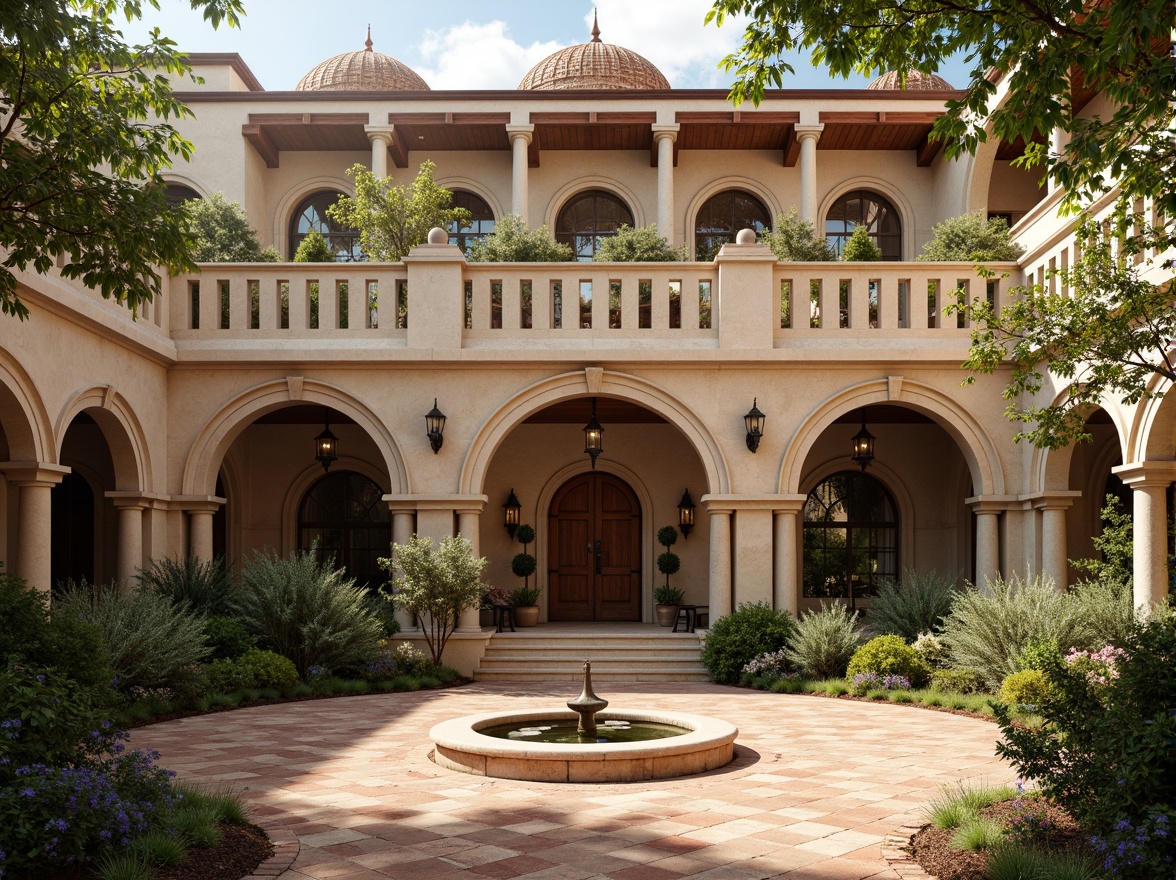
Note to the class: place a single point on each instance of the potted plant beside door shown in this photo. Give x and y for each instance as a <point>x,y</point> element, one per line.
<point>525,599</point>
<point>667,598</point>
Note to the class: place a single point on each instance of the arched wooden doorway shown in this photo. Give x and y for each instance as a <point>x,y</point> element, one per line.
<point>594,559</point>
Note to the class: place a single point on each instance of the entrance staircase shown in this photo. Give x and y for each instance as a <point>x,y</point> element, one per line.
<point>619,652</point>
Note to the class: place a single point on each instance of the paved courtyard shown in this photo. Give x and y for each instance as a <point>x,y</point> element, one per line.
<point>815,786</point>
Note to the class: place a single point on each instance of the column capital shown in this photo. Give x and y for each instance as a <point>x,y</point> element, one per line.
<point>805,132</point>
<point>456,503</point>
<point>34,473</point>
<point>661,131</point>
<point>130,500</point>
<point>990,503</point>
<point>382,133</point>
<point>1057,499</point>
<point>788,503</point>
<point>1142,474</point>
<point>199,503</point>
<point>517,132</point>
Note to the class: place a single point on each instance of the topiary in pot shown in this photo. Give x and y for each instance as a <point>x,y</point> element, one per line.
<point>667,598</point>
<point>525,598</point>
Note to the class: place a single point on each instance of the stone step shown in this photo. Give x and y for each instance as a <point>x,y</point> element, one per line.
<point>601,664</point>
<point>532,674</point>
<point>599,660</point>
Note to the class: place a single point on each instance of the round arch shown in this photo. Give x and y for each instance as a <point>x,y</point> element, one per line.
<point>1152,434</point>
<point>122,429</point>
<point>210,446</point>
<point>648,529</point>
<point>23,415</point>
<point>570,385</point>
<point>582,184</point>
<point>301,485</point>
<point>977,447</point>
<point>1049,469</point>
<point>184,180</point>
<point>891,193</point>
<point>293,196</point>
<point>472,186</point>
<point>723,184</point>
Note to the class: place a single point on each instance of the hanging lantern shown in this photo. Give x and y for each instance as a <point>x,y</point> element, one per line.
<point>435,427</point>
<point>513,512</point>
<point>593,436</point>
<point>326,444</point>
<point>863,445</point>
<point>754,422</point>
<point>686,514</point>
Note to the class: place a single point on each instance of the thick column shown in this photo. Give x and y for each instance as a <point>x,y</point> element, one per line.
<point>130,538</point>
<point>381,138</point>
<point>34,525</point>
<point>520,139</point>
<point>200,533</point>
<point>1054,562</point>
<point>468,528</point>
<point>1149,482</point>
<point>808,135</point>
<point>786,595</point>
<point>1059,140</point>
<point>664,137</point>
<point>720,563</point>
<point>987,539</point>
<point>403,521</point>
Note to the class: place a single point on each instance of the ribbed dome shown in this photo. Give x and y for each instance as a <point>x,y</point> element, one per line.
<point>363,71</point>
<point>594,65</point>
<point>916,81</point>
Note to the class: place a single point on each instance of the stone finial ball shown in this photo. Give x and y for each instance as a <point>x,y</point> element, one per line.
<point>437,235</point>
<point>745,236</point>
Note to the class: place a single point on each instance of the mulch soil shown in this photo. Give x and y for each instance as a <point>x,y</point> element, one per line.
<point>241,849</point>
<point>932,849</point>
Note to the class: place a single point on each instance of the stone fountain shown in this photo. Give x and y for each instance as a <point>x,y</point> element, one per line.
<point>587,705</point>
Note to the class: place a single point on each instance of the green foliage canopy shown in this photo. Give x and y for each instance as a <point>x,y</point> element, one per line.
<point>640,245</point>
<point>512,242</point>
<point>392,218</point>
<point>314,249</point>
<point>860,247</point>
<point>796,241</point>
<point>971,238</point>
<point>220,233</point>
<point>85,130</point>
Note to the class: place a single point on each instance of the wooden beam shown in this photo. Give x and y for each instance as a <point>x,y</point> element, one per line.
<point>791,153</point>
<point>398,149</point>
<point>927,151</point>
<point>308,118</point>
<point>262,143</point>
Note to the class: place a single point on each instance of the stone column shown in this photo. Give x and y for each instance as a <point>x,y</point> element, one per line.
<point>1059,140</point>
<point>664,137</point>
<point>1149,483</point>
<point>403,520</point>
<point>34,525</point>
<point>130,537</point>
<point>808,135</point>
<point>468,528</point>
<point>200,533</point>
<point>381,138</point>
<point>1054,561</point>
<point>520,139</point>
<point>786,590</point>
<point>720,562</point>
<point>987,539</point>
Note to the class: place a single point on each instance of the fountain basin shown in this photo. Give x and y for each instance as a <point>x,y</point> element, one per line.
<point>708,743</point>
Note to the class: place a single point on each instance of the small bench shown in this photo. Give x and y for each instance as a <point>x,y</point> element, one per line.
<point>689,616</point>
<point>504,616</point>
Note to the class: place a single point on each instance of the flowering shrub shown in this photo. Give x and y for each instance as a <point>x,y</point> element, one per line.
<point>1099,667</point>
<point>411,661</point>
<point>864,682</point>
<point>738,638</point>
<point>495,596</point>
<point>774,663</point>
<point>932,649</point>
<point>889,655</point>
<point>1144,849</point>
<point>269,669</point>
<point>1029,821</point>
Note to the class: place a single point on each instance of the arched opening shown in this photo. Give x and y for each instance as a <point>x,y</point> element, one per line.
<point>861,207</point>
<point>588,218</point>
<point>311,214</point>
<point>481,223</point>
<point>344,519</point>
<point>72,530</point>
<point>178,193</point>
<point>722,216</point>
<point>84,522</point>
<point>1012,190</point>
<point>1090,473</point>
<point>850,538</point>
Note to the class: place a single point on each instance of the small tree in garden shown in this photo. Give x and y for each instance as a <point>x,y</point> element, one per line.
<point>314,249</point>
<point>861,248</point>
<point>512,242</point>
<point>796,241</point>
<point>668,563</point>
<point>638,245</point>
<point>220,232</point>
<point>972,237</point>
<point>436,584</point>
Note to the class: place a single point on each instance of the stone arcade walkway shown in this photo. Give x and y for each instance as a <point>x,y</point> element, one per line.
<point>815,786</point>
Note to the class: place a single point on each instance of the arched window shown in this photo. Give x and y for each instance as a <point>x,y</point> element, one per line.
<point>863,208</point>
<point>722,216</point>
<point>481,225</point>
<point>588,218</point>
<point>178,193</point>
<point>311,213</point>
<point>346,514</point>
<point>850,537</point>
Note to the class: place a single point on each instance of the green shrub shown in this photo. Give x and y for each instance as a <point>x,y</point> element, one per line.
<point>1038,655</point>
<point>638,245</point>
<point>307,612</point>
<point>269,670</point>
<point>663,594</point>
<point>987,632</point>
<point>227,676</point>
<point>1108,607</point>
<point>955,681</point>
<point>1104,750</point>
<point>977,834</point>
<point>205,586</point>
<point>1016,862</point>
<point>889,655</point>
<point>860,247</point>
<point>916,604</point>
<point>824,641</point>
<point>411,661</point>
<point>123,866</point>
<point>159,848</point>
<point>227,637</point>
<point>47,716</point>
<point>191,683</point>
<point>384,610</point>
<point>737,639</point>
<point>29,633</point>
<point>972,238</point>
<point>148,638</point>
<point>1025,688</point>
<point>522,596</point>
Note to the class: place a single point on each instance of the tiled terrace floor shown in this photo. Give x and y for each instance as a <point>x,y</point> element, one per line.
<point>815,786</point>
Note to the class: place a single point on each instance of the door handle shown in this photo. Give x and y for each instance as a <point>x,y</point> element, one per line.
<point>598,557</point>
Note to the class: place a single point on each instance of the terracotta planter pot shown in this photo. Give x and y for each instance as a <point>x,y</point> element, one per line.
<point>665,614</point>
<point>526,615</point>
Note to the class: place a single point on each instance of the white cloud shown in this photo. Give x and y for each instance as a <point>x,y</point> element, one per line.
<point>477,56</point>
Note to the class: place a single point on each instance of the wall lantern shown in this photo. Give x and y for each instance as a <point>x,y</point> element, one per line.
<point>326,444</point>
<point>593,436</point>
<point>435,427</point>
<point>686,514</point>
<point>754,421</point>
<point>513,511</point>
<point>863,445</point>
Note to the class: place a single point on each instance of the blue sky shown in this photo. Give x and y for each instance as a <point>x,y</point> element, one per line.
<point>462,44</point>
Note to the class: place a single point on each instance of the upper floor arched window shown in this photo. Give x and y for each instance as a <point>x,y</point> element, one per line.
<point>722,216</point>
<point>588,218</point>
<point>850,537</point>
<point>861,207</point>
<point>346,519</point>
<point>178,193</point>
<point>481,225</point>
<point>311,213</point>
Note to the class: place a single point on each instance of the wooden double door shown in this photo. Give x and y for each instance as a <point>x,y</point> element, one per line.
<point>594,550</point>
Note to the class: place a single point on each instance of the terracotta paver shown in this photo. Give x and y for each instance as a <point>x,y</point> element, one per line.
<point>815,788</point>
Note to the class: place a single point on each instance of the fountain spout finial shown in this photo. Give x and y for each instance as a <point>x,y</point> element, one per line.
<point>587,704</point>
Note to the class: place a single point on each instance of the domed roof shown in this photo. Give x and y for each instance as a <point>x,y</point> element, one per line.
<point>916,81</point>
<point>363,71</point>
<point>594,65</point>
